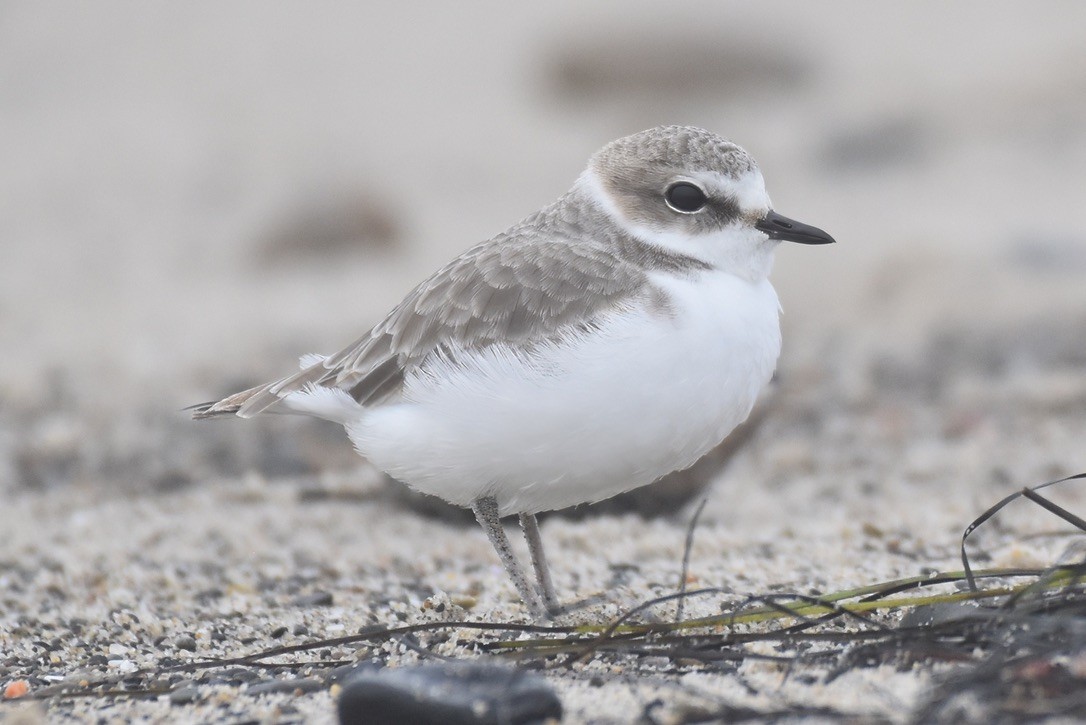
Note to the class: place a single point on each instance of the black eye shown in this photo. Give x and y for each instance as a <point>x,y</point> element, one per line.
<point>685,197</point>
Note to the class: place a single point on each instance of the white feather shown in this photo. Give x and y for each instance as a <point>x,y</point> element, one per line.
<point>329,403</point>
<point>310,359</point>
<point>582,419</point>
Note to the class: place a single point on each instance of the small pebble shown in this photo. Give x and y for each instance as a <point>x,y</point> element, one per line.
<point>463,600</point>
<point>300,630</point>
<point>184,696</point>
<point>186,642</point>
<point>16,689</point>
<point>124,666</point>
<point>278,632</point>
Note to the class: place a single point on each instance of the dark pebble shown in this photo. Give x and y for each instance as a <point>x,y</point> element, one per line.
<point>300,630</point>
<point>185,642</point>
<point>316,599</point>
<point>184,696</point>
<point>98,661</point>
<point>469,694</point>
<point>278,632</point>
<point>288,686</point>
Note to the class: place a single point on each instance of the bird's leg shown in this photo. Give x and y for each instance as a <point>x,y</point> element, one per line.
<point>486,513</point>
<point>530,527</point>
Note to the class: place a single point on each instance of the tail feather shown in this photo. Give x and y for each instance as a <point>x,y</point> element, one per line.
<point>227,406</point>
<point>311,391</point>
<point>256,400</point>
<point>249,402</point>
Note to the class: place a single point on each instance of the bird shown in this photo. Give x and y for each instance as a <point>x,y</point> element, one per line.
<point>614,336</point>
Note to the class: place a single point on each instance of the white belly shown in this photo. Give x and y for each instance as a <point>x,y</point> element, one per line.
<point>648,393</point>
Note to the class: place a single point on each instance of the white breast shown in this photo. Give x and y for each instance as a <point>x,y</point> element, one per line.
<point>648,393</point>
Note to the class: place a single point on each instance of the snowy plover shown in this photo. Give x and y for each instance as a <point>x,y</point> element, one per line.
<point>613,337</point>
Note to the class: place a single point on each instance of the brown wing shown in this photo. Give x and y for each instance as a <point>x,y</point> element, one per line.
<point>516,288</point>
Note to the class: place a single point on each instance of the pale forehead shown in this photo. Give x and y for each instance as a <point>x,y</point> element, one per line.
<point>684,148</point>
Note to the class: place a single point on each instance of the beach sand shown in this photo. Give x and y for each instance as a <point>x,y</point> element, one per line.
<point>192,198</point>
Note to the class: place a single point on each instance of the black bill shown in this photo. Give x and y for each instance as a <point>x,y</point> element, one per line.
<point>787,230</point>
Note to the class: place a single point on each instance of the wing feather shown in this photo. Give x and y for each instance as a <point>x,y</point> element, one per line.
<point>518,288</point>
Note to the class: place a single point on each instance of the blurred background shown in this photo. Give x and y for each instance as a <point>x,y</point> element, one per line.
<point>193,194</point>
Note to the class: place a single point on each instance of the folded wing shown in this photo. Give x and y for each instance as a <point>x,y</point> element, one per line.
<point>516,288</point>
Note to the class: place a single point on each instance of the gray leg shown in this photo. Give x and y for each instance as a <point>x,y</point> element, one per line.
<point>486,512</point>
<point>539,562</point>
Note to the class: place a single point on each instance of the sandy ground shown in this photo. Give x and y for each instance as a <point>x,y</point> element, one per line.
<point>191,197</point>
